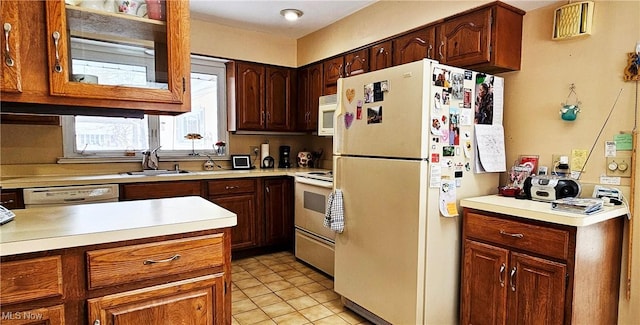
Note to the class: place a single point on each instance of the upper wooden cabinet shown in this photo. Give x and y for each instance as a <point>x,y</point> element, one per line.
<point>333,70</point>
<point>488,39</point>
<point>310,88</point>
<point>263,97</point>
<point>414,46</point>
<point>380,56</point>
<point>72,55</point>
<point>279,98</point>
<point>10,44</point>
<point>356,62</point>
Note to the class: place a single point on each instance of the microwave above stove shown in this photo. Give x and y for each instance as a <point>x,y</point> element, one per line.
<point>326,114</point>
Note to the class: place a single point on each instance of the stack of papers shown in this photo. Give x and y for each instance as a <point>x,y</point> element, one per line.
<point>578,205</point>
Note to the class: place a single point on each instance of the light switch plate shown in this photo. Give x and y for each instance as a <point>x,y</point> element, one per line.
<point>620,165</point>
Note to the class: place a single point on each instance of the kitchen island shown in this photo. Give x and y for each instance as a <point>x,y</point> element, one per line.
<point>524,262</point>
<point>127,262</point>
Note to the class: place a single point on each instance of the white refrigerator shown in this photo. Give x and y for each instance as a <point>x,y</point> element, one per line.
<point>398,256</point>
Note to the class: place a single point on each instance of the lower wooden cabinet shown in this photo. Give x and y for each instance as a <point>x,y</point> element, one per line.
<point>519,271</point>
<point>53,315</point>
<point>240,197</point>
<point>278,210</point>
<point>158,190</point>
<point>194,301</point>
<point>264,209</point>
<point>174,279</point>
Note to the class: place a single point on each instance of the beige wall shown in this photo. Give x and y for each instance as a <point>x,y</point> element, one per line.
<point>233,43</point>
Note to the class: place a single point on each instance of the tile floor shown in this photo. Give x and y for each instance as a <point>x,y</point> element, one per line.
<point>277,289</point>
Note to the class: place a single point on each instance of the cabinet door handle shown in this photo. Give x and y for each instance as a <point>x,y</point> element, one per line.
<point>262,116</point>
<point>56,41</point>
<point>504,233</point>
<point>267,189</point>
<point>166,260</point>
<point>440,49</point>
<point>268,117</point>
<point>7,54</point>
<point>501,275</point>
<point>429,51</point>
<point>512,275</point>
<point>96,322</point>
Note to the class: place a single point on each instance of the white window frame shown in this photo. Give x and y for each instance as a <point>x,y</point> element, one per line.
<point>199,64</point>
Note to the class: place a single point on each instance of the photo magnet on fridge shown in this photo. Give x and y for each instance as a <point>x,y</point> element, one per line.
<point>374,115</point>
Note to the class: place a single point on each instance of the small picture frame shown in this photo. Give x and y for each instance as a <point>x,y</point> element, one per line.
<point>241,162</point>
<point>530,161</point>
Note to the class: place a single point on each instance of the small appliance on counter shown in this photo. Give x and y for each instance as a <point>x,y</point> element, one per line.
<point>550,188</point>
<point>285,157</point>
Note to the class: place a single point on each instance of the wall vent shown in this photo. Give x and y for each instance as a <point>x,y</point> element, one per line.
<point>573,19</point>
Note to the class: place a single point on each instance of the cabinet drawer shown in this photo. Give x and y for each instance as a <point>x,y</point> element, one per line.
<point>537,239</point>
<point>111,266</point>
<point>31,279</point>
<point>245,185</point>
<point>9,200</point>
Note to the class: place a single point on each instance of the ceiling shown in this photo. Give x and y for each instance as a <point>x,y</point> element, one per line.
<point>264,15</point>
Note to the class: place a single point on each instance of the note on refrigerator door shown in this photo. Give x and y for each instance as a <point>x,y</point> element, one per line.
<point>448,207</point>
<point>489,148</point>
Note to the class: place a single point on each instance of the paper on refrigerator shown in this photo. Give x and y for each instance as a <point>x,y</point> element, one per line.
<point>489,148</point>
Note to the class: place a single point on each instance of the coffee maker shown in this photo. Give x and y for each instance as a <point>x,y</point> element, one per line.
<point>285,157</point>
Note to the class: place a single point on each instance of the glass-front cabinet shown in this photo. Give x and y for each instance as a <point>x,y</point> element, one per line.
<point>118,49</point>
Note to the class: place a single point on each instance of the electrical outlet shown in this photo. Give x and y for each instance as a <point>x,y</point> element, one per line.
<point>254,150</point>
<point>620,165</point>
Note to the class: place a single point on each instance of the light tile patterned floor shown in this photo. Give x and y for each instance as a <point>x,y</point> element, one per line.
<point>277,289</point>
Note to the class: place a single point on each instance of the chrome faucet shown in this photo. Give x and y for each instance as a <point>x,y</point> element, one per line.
<point>150,159</point>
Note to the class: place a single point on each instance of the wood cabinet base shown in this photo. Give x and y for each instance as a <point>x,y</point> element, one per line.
<point>520,271</point>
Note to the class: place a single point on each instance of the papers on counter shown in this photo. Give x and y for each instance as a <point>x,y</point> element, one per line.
<point>578,205</point>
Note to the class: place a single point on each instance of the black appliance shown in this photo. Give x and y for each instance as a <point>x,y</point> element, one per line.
<point>285,157</point>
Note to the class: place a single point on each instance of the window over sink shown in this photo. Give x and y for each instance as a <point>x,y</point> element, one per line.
<point>98,139</point>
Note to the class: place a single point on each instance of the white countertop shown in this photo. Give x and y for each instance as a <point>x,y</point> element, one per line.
<point>68,180</point>
<point>41,229</point>
<point>541,211</point>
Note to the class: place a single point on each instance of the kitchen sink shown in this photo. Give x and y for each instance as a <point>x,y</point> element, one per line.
<point>157,172</point>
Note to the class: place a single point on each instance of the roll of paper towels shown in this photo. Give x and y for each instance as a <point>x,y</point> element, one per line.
<point>264,152</point>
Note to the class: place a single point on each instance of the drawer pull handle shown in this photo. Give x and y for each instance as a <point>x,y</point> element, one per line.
<point>501,278</point>
<point>170,259</point>
<point>502,232</point>
<point>231,187</point>
<point>512,275</point>
<point>96,322</point>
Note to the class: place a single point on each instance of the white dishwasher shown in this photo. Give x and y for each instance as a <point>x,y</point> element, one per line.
<point>69,195</point>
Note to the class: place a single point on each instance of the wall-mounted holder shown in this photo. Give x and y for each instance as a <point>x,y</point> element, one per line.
<point>569,111</point>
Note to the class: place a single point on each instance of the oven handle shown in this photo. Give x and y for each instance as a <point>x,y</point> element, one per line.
<point>314,182</point>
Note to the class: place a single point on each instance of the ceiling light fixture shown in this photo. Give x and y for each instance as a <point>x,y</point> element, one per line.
<point>291,14</point>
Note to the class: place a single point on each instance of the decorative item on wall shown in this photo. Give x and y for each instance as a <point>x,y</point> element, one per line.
<point>569,111</point>
<point>573,19</point>
<point>633,64</point>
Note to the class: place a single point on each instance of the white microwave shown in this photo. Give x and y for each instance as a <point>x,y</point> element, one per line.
<point>326,111</point>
